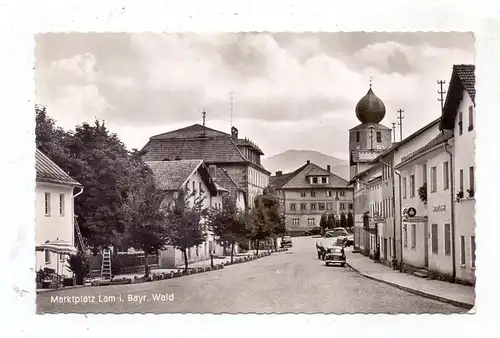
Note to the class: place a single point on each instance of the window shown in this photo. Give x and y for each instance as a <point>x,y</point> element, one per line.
<point>47,257</point>
<point>424,173</point>
<point>461,180</point>
<point>323,179</point>
<point>197,251</point>
<point>433,179</point>
<point>321,206</point>
<point>342,206</point>
<point>47,204</point>
<point>342,193</point>
<point>303,206</point>
<point>292,207</point>
<point>447,240</point>
<point>315,180</point>
<point>329,193</point>
<point>405,236</point>
<point>404,187</point>
<point>313,193</point>
<point>471,118</point>
<point>199,188</point>
<point>329,206</point>
<point>313,206</point>
<point>434,231</point>
<point>379,137</point>
<point>61,204</point>
<point>471,181</point>
<point>460,123</point>
<point>446,176</point>
<point>357,136</point>
<point>413,236</point>
<point>462,250</point>
<point>194,187</point>
<point>473,251</point>
<point>412,186</point>
<point>295,221</point>
<point>302,194</point>
<point>350,206</point>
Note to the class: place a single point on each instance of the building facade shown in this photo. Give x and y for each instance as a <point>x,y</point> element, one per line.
<point>194,178</point>
<point>459,117</point>
<point>240,158</point>
<point>55,213</point>
<point>310,192</point>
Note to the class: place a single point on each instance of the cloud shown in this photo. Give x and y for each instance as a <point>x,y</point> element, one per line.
<point>298,89</point>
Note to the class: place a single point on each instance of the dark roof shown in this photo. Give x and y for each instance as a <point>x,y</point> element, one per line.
<point>247,143</point>
<point>192,131</point>
<point>376,126</point>
<point>439,139</point>
<point>278,182</point>
<point>318,171</point>
<point>462,78</point>
<point>49,172</point>
<point>223,177</point>
<point>171,175</point>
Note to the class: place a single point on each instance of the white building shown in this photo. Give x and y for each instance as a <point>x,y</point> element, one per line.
<point>459,116</point>
<point>192,176</point>
<point>54,205</point>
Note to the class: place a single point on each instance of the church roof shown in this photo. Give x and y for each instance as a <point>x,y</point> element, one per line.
<point>366,126</point>
<point>370,109</point>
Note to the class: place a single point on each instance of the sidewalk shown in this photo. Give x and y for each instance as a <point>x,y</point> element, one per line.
<point>455,294</point>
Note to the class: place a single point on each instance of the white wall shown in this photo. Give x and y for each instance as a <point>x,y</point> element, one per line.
<point>257,181</point>
<point>54,226</point>
<point>464,157</point>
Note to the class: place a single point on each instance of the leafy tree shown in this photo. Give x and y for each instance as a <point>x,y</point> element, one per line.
<point>350,220</point>
<point>331,221</point>
<point>144,220</point>
<point>323,223</point>
<point>276,219</point>
<point>183,223</point>
<point>343,220</point>
<point>259,228</point>
<point>227,224</point>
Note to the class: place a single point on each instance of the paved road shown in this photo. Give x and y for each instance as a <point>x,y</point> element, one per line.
<point>295,282</point>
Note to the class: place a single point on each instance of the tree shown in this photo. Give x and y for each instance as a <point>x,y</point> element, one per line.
<point>227,224</point>
<point>323,223</point>
<point>277,224</point>
<point>343,220</point>
<point>258,223</point>
<point>331,221</point>
<point>350,220</point>
<point>184,223</point>
<point>145,228</point>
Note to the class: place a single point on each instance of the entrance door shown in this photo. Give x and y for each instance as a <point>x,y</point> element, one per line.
<point>385,248</point>
<point>426,245</point>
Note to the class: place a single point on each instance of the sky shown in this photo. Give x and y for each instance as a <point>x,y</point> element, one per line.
<point>290,90</point>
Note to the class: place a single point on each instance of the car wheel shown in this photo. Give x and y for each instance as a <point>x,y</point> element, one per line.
<point>342,265</point>
<point>326,263</point>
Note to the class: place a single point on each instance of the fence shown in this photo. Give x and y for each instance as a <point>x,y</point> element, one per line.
<point>122,263</point>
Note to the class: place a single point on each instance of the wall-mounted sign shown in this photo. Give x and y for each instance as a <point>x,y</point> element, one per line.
<point>411,212</point>
<point>378,219</point>
<point>440,207</point>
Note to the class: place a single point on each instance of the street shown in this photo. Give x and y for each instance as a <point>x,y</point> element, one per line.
<point>291,282</point>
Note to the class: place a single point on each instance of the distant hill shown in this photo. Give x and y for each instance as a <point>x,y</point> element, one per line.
<point>290,160</point>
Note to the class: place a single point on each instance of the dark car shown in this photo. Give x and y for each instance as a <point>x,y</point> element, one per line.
<point>286,242</point>
<point>313,231</point>
<point>335,255</point>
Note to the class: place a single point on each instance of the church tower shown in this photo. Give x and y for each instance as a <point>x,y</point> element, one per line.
<point>370,138</point>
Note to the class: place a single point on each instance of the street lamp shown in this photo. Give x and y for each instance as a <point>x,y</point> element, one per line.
<point>397,172</point>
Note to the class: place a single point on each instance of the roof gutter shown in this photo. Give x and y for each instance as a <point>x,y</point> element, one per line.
<point>447,147</point>
<point>78,193</point>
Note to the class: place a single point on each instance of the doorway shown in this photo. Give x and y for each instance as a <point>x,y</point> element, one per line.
<point>426,245</point>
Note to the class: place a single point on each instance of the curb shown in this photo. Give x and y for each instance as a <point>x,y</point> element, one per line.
<point>171,275</point>
<point>416,292</point>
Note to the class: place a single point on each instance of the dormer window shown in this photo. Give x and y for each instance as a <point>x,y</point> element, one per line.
<point>323,180</point>
<point>357,136</point>
<point>315,180</point>
<point>379,137</point>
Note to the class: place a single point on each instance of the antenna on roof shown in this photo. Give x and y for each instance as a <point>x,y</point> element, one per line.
<point>203,116</point>
<point>394,131</point>
<point>400,123</point>
<point>371,80</point>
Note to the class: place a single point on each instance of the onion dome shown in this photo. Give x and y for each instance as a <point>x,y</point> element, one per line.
<point>370,109</point>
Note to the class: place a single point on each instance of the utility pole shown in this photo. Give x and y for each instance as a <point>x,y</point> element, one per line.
<point>400,123</point>
<point>394,131</point>
<point>441,93</point>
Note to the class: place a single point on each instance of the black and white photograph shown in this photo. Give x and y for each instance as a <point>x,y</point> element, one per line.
<point>254,172</point>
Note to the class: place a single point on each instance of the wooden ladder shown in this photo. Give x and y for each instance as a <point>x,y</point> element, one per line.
<point>106,264</point>
<point>79,235</point>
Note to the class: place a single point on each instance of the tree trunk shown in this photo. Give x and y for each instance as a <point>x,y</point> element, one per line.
<point>185,260</point>
<point>275,242</point>
<point>146,266</point>
<point>257,247</point>
<point>224,252</point>
<point>232,251</point>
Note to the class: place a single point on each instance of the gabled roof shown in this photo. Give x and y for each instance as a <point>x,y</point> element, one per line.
<point>462,78</point>
<point>439,139</point>
<point>49,172</point>
<point>224,179</point>
<point>192,131</point>
<point>247,143</point>
<point>278,181</point>
<point>173,175</point>
<point>299,179</point>
<point>318,171</point>
<point>376,126</point>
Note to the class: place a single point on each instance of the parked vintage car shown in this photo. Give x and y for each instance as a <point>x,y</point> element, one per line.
<point>335,255</point>
<point>313,231</point>
<point>286,242</point>
<point>350,240</point>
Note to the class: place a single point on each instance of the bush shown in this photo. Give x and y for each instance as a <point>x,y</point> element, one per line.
<point>79,266</point>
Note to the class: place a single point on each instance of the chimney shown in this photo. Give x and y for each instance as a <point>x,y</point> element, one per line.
<point>308,161</point>
<point>328,168</point>
<point>234,133</point>
<point>212,169</point>
<point>279,173</point>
